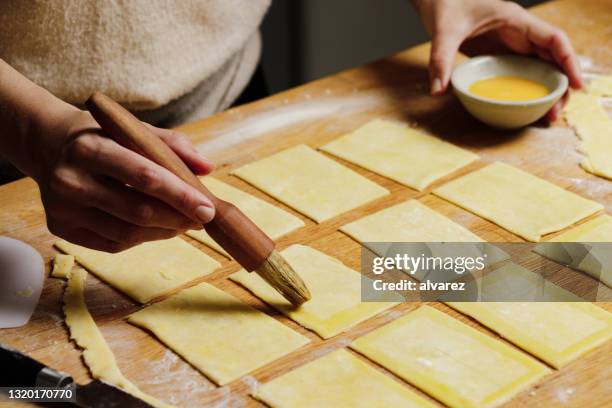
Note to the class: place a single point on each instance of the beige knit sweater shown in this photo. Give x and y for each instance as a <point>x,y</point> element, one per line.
<point>183,58</point>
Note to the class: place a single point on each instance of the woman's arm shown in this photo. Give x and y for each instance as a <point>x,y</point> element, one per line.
<point>95,192</point>
<point>452,22</point>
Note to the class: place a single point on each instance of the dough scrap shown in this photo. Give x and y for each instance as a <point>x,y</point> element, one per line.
<point>594,128</point>
<point>522,203</point>
<point>598,262</point>
<point>272,220</point>
<point>601,85</point>
<point>96,353</point>
<point>216,333</point>
<point>338,379</point>
<point>148,270</point>
<point>400,153</point>
<point>556,332</point>
<point>310,182</point>
<point>336,292</point>
<point>62,265</point>
<point>449,360</point>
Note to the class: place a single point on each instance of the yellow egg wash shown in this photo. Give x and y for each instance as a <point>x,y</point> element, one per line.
<point>508,88</point>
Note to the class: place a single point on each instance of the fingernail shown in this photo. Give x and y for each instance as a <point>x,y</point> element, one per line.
<point>436,86</point>
<point>208,161</point>
<point>204,213</point>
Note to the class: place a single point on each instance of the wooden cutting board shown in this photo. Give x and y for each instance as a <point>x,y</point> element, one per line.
<point>394,88</point>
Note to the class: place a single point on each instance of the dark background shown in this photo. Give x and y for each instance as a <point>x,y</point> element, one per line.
<point>308,39</point>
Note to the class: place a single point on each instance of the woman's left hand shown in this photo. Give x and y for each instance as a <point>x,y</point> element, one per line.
<point>452,22</point>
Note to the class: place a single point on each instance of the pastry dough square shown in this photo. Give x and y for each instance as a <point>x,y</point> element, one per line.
<point>216,333</point>
<point>517,201</point>
<point>452,362</point>
<point>512,282</point>
<point>148,270</point>
<point>400,153</point>
<point>310,182</point>
<point>272,220</point>
<point>556,332</point>
<point>409,221</point>
<point>336,292</point>
<point>598,262</point>
<point>338,379</point>
<point>414,222</point>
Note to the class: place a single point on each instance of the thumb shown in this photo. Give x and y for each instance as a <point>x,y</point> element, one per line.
<point>444,47</point>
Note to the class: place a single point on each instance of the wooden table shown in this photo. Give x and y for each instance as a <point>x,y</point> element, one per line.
<point>396,88</point>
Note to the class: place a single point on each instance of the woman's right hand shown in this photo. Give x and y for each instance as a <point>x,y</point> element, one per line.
<point>101,195</point>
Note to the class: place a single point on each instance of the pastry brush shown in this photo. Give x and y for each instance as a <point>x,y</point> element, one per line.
<point>230,228</point>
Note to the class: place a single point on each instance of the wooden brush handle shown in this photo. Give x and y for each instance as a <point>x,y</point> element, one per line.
<point>230,228</point>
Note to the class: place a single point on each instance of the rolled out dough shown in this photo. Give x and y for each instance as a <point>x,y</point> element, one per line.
<point>62,265</point>
<point>414,222</point>
<point>452,362</point>
<point>400,153</point>
<point>272,220</point>
<point>598,262</point>
<point>594,128</point>
<point>148,270</point>
<point>336,292</point>
<point>409,221</point>
<point>96,353</point>
<point>310,182</point>
<point>338,379</point>
<point>513,283</point>
<point>556,332</point>
<point>216,333</point>
<point>517,201</point>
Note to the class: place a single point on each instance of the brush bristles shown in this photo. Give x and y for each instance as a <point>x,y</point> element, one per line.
<point>281,276</point>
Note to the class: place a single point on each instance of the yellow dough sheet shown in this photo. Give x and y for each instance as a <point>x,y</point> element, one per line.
<point>512,282</point>
<point>556,332</point>
<point>413,222</point>
<point>148,270</point>
<point>310,182</point>
<point>520,202</point>
<point>62,265</point>
<point>96,353</point>
<point>216,333</point>
<point>601,85</point>
<point>593,126</point>
<point>272,220</point>
<point>598,263</point>
<point>400,153</point>
<point>338,379</point>
<point>454,363</point>
<point>336,292</point>
<point>409,221</point>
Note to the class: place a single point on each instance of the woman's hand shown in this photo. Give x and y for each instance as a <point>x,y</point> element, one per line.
<point>452,22</point>
<point>101,195</point>
<point>95,192</point>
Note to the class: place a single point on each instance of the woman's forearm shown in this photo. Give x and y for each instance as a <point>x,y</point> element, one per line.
<point>28,115</point>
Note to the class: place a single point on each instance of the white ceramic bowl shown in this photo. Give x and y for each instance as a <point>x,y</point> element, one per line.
<point>507,114</point>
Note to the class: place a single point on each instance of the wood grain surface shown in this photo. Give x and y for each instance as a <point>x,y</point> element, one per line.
<point>316,113</point>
